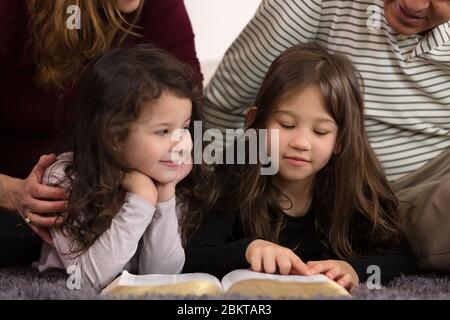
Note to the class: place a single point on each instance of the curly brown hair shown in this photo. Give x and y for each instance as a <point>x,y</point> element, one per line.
<point>110,94</point>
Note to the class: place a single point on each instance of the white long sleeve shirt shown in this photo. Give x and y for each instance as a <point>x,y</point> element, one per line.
<point>141,238</point>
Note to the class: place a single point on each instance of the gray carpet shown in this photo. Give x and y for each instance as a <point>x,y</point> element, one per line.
<point>26,283</point>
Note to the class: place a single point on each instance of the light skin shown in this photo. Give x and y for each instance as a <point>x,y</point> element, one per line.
<point>128,6</point>
<point>407,17</point>
<point>307,141</point>
<point>410,17</point>
<point>153,148</point>
<point>28,197</point>
<point>154,176</point>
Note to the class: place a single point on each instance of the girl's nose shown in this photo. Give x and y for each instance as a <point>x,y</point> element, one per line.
<point>300,140</point>
<point>182,146</point>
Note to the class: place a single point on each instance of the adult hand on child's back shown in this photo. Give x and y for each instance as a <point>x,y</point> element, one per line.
<point>141,185</point>
<point>33,200</point>
<point>265,256</point>
<point>337,270</point>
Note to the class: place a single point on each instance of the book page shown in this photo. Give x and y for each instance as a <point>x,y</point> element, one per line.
<point>244,274</point>
<point>256,284</point>
<point>192,283</point>
<point>128,279</point>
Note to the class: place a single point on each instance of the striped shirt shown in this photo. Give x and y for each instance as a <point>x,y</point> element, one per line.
<point>406,78</point>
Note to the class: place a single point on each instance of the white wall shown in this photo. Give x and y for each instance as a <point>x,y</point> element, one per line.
<point>216,24</point>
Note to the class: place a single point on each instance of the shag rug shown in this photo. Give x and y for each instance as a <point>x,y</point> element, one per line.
<point>26,283</point>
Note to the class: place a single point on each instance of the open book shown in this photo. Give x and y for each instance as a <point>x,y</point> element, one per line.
<point>242,282</point>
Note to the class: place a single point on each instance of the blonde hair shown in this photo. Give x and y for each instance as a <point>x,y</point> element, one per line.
<point>62,52</point>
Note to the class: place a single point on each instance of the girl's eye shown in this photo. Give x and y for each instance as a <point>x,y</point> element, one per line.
<point>320,133</point>
<point>162,132</point>
<point>287,125</point>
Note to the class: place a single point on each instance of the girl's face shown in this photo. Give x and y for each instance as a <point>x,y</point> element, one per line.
<point>128,6</point>
<point>154,140</point>
<point>307,135</point>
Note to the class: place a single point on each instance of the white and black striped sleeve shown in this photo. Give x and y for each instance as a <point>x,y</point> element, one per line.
<point>276,26</point>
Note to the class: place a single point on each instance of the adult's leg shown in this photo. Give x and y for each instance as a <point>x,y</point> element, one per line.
<point>18,243</point>
<point>427,222</point>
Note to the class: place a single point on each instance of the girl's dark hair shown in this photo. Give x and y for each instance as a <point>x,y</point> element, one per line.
<point>110,94</point>
<point>355,207</point>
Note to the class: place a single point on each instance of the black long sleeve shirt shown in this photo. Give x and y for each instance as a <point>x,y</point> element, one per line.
<point>219,246</point>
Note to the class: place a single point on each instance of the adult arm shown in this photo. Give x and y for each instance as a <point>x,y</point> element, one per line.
<point>30,196</point>
<point>276,26</point>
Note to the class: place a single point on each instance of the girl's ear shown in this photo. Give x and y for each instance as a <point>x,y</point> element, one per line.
<point>250,116</point>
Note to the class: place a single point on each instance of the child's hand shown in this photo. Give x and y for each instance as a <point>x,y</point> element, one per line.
<point>141,185</point>
<point>337,270</point>
<point>265,256</point>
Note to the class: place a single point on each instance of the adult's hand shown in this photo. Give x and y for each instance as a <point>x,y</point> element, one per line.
<point>33,200</point>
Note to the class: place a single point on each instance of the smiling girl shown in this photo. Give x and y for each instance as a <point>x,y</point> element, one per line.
<point>329,209</point>
<point>130,145</point>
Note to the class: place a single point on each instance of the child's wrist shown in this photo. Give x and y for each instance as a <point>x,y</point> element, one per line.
<point>165,192</point>
<point>150,197</point>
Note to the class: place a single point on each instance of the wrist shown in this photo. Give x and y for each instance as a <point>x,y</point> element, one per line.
<point>149,197</point>
<point>165,192</point>
<point>8,192</point>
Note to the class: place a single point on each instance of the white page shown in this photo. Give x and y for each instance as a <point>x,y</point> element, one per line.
<point>128,279</point>
<point>243,274</point>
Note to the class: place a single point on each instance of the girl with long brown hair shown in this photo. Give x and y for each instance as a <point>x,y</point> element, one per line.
<point>42,52</point>
<point>328,209</point>
<point>130,143</point>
